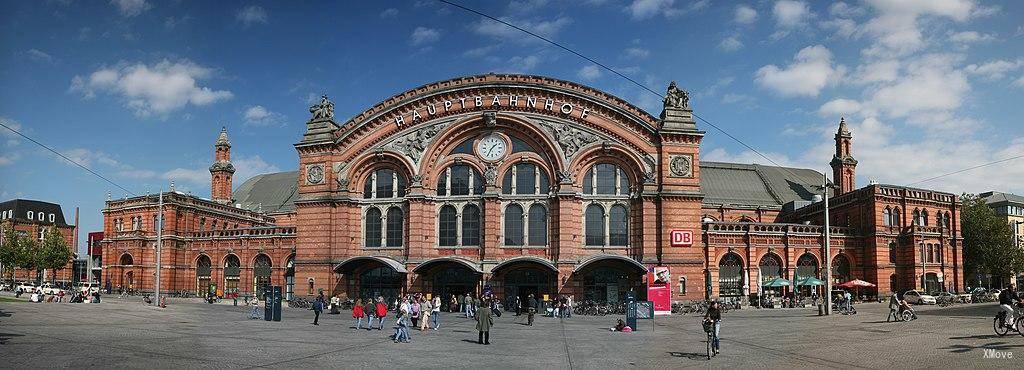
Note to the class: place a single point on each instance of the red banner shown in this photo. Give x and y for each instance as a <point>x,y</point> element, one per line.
<point>659,289</point>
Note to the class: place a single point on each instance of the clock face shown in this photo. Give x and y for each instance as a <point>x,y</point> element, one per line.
<point>491,147</point>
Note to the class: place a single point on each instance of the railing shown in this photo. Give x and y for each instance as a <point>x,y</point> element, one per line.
<point>251,232</point>
<point>774,228</point>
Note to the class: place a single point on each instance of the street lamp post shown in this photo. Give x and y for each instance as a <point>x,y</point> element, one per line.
<point>828,247</point>
<point>159,242</point>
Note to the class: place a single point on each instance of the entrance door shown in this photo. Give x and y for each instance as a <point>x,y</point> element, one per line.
<point>525,281</point>
<point>261,274</point>
<point>129,281</point>
<point>289,279</point>
<point>453,280</point>
<point>203,271</point>
<point>730,276</point>
<point>380,281</point>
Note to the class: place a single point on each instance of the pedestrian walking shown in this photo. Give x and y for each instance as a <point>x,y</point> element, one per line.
<point>318,307</point>
<point>894,307</point>
<point>426,311</point>
<point>462,303</point>
<point>484,321</point>
<point>370,311</point>
<point>254,309</point>
<point>415,316</point>
<point>435,312</point>
<point>359,314</point>
<point>518,305</point>
<point>401,324</point>
<point>531,309</point>
<point>568,306</point>
<point>382,313</point>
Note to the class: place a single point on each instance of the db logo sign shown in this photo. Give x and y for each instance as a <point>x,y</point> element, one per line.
<point>681,238</point>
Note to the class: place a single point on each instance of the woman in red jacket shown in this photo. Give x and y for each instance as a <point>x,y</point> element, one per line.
<point>358,314</point>
<point>382,312</point>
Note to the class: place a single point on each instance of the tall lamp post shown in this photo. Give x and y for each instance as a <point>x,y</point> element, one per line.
<point>828,248</point>
<point>159,242</point>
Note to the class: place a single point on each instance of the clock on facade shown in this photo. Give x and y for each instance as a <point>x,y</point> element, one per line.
<point>491,147</point>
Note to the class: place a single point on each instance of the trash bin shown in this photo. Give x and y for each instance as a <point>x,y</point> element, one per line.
<point>821,310</point>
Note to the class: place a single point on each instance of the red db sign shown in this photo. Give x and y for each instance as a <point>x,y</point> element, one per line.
<point>681,238</point>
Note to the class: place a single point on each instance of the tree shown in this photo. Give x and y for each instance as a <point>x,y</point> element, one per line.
<point>988,240</point>
<point>53,251</point>
<point>11,251</point>
<point>28,255</point>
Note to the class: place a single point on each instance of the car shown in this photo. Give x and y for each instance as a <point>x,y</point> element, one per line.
<point>26,287</point>
<point>89,288</point>
<point>916,297</point>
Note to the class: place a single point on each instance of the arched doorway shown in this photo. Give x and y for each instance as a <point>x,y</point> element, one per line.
<point>204,270</point>
<point>841,270</point>
<point>127,282</point>
<point>607,278</point>
<point>806,267</point>
<point>261,270</point>
<point>770,268</point>
<point>232,274</point>
<point>289,278</point>
<point>370,277</point>
<point>931,283</point>
<point>522,276</point>
<point>730,276</point>
<point>450,276</point>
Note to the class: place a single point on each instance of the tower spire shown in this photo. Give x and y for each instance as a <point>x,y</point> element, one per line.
<point>844,166</point>
<point>221,170</point>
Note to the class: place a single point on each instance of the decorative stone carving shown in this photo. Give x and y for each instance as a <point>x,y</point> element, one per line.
<point>676,98</point>
<point>491,175</point>
<point>342,183</point>
<point>417,180</point>
<point>322,111</point>
<point>650,177</point>
<point>565,176</point>
<point>681,165</point>
<point>490,119</point>
<point>569,138</point>
<point>414,143</point>
<point>314,174</point>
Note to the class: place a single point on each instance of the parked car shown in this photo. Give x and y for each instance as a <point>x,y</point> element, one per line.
<point>916,297</point>
<point>26,287</point>
<point>89,288</point>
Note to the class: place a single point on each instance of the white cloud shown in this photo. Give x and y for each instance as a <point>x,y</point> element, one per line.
<point>1019,82</point>
<point>9,158</point>
<point>590,72</point>
<point>245,168</point>
<point>645,9</point>
<point>523,64</point>
<point>547,28</point>
<point>811,70</point>
<point>744,15</point>
<point>839,107</point>
<point>196,176</point>
<point>734,98</point>
<point>879,71</point>
<point>843,27</point>
<point>790,14</point>
<point>251,15</point>
<point>389,13</point>
<point>996,69</point>
<point>844,10</point>
<point>895,27</point>
<point>637,53</point>
<point>10,138</point>
<point>424,35</point>
<point>39,56</point>
<point>91,158</point>
<point>158,89</point>
<point>731,43</point>
<point>258,115</point>
<point>930,83</point>
<point>131,8</point>
<point>479,52</point>
<point>970,37</point>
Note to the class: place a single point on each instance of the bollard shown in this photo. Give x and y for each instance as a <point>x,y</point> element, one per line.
<point>821,310</point>
<point>163,302</point>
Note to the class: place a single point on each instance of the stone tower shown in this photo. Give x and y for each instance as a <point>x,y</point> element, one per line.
<point>844,167</point>
<point>221,170</point>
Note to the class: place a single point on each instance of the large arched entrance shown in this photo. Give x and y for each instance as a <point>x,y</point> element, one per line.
<point>204,270</point>
<point>371,277</point>
<point>608,278</point>
<point>806,269</point>
<point>450,276</point>
<point>730,276</point>
<point>770,268</point>
<point>127,282</point>
<point>289,278</point>
<point>261,271</point>
<point>524,276</point>
<point>841,270</point>
<point>232,274</point>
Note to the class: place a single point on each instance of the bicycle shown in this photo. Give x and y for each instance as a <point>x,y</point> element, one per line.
<point>300,303</point>
<point>999,322</point>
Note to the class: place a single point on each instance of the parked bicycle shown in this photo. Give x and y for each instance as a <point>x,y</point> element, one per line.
<point>300,303</point>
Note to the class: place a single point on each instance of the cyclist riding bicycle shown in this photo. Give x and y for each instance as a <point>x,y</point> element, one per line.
<point>1008,298</point>
<point>714,316</point>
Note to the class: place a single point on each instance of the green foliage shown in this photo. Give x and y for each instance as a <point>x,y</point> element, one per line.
<point>53,252</point>
<point>988,240</point>
<point>10,251</point>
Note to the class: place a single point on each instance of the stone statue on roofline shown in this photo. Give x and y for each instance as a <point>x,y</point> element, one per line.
<point>322,111</point>
<point>676,97</point>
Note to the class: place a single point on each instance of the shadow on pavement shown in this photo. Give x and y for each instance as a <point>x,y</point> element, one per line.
<point>4,337</point>
<point>964,348</point>
<point>690,355</point>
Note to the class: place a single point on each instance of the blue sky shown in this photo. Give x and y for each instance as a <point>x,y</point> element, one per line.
<point>138,89</point>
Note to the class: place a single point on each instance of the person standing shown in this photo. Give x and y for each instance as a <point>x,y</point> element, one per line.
<point>435,312</point>
<point>568,306</point>
<point>382,313</point>
<point>426,311</point>
<point>453,304</point>
<point>415,309</point>
<point>318,307</point>
<point>462,303</point>
<point>531,309</point>
<point>518,305</point>
<point>714,316</point>
<point>484,321</point>
<point>358,313</point>
<point>254,309</point>
<point>402,333</point>
<point>894,307</point>
<point>370,311</point>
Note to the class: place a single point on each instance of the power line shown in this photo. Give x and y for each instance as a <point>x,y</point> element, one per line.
<point>627,78</point>
<point>967,169</point>
<point>65,157</point>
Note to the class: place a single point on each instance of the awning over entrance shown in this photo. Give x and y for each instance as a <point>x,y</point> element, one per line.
<point>348,265</point>
<point>520,259</point>
<point>609,257</point>
<point>475,267</point>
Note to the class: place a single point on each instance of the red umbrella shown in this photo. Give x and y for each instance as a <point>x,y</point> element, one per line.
<point>857,283</point>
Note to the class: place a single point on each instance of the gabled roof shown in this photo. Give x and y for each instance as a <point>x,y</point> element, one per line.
<point>995,198</point>
<point>21,207</point>
<point>269,192</point>
<point>756,185</point>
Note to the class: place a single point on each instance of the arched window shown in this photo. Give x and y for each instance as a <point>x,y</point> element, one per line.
<point>618,226</point>
<point>946,221</point>
<point>384,183</point>
<point>373,227</point>
<point>538,228</point>
<point>126,260</point>
<point>917,218</point>
<point>471,225</point>
<point>896,217</point>
<point>841,269</point>
<point>887,217</point>
<point>525,179</point>
<point>458,180</point>
<point>447,226</point>
<point>595,225</point>
<point>396,224</point>
<point>514,224</point>
<point>924,218</point>
<point>606,179</point>
<point>892,252</point>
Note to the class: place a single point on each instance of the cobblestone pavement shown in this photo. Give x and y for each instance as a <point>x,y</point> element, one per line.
<point>190,334</point>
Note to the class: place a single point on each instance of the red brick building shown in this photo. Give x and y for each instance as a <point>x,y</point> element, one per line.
<point>33,219</point>
<point>524,184</point>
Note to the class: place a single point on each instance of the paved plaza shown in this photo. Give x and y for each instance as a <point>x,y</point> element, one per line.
<point>191,334</point>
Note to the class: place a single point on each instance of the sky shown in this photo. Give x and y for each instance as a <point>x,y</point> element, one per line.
<point>137,90</point>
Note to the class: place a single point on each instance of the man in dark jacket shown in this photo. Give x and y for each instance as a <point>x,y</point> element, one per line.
<point>318,307</point>
<point>1008,298</point>
<point>370,310</point>
<point>531,309</point>
<point>484,321</point>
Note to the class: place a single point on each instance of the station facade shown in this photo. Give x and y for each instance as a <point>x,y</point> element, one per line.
<point>517,185</point>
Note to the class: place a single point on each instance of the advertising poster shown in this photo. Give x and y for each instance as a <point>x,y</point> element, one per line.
<point>659,289</point>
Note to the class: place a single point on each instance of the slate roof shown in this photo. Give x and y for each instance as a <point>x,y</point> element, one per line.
<point>269,192</point>
<point>21,207</point>
<point>756,185</point>
<point>995,198</point>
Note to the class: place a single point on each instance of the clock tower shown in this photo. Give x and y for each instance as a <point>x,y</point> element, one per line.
<point>221,170</point>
